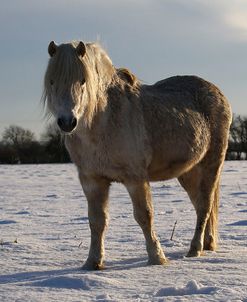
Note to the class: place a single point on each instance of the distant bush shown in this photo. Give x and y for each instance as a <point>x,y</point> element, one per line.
<point>237,148</point>
<point>53,144</point>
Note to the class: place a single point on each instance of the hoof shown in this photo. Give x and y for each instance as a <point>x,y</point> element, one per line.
<point>93,266</point>
<point>209,246</point>
<point>209,243</point>
<point>158,261</point>
<point>193,253</point>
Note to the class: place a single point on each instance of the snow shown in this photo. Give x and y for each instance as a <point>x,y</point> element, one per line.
<point>44,239</point>
<point>192,288</point>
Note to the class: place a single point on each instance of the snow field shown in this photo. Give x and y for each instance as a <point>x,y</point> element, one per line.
<point>44,239</point>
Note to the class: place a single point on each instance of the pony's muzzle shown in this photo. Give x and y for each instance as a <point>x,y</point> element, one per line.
<point>67,124</point>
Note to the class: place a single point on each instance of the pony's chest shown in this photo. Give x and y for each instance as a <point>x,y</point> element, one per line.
<point>107,158</point>
<point>86,152</point>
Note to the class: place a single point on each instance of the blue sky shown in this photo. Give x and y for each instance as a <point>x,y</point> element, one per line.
<point>153,38</point>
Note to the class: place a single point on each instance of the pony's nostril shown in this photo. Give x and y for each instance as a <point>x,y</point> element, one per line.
<point>60,122</point>
<point>73,122</point>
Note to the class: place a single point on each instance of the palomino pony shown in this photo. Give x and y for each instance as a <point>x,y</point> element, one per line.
<point>119,130</point>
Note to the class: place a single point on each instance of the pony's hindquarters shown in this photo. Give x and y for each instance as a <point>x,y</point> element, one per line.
<point>202,181</point>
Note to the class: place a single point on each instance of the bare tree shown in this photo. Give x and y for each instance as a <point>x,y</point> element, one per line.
<point>17,136</point>
<point>238,136</point>
<point>22,144</point>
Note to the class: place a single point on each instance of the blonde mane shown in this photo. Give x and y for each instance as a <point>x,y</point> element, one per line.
<point>66,69</point>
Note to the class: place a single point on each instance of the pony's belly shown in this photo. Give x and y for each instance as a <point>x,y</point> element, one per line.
<point>159,171</point>
<point>174,160</point>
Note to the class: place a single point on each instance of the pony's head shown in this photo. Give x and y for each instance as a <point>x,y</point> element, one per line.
<point>72,82</point>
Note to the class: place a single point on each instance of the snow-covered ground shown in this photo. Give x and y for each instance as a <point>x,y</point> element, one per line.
<point>44,239</point>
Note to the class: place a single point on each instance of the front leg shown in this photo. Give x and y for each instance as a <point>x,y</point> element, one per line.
<point>143,212</point>
<point>96,191</point>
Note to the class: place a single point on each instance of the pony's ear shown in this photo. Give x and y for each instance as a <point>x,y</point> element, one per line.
<point>81,49</point>
<point>52,48</point>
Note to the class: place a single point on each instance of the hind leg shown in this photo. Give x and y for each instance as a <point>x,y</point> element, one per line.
<point>201,184</point>
<point>143,213</point>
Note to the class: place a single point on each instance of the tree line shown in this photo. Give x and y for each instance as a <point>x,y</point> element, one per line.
<point>19,145</point>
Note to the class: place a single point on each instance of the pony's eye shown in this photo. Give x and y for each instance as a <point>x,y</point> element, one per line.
<point>51,82</point>
<point>83,82</point>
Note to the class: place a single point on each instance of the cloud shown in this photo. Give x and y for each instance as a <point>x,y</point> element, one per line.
<point>230,15</point>
<point>237,20</point>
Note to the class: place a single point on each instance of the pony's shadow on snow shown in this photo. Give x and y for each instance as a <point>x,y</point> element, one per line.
<point>76,277</point>
<point>70,278</point>
<point>41,278</point>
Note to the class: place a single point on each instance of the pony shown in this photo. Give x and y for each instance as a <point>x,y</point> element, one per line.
<point>118,129</point>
